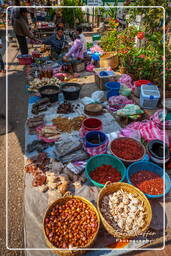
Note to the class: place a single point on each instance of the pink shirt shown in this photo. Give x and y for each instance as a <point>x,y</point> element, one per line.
<point>76,50</point>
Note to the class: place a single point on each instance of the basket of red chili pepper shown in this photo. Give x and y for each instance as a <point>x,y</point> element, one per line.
<point>127,149</point>
<point>150,178</point>
<point>103,168</point>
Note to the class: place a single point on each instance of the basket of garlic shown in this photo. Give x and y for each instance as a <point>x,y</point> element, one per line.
<point>124,210</point>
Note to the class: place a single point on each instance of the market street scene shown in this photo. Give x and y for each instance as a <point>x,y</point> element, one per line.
<point>85,128</point>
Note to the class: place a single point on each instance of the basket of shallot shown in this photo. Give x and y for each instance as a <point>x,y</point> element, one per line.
<point>71,223</point>
<point>124,210</point>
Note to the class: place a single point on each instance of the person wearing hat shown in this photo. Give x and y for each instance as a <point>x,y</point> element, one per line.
<point>21,29</point>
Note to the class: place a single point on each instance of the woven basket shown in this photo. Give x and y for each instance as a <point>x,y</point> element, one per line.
<point>113,187</point>
<point>68,252</point>
<point>109,60</point>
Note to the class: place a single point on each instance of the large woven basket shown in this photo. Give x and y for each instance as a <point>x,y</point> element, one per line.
<point>113,187</point>
<point>109,60</point>
<point>69,252</point>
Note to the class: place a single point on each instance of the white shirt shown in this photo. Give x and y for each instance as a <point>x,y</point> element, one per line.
<point>83,40</point>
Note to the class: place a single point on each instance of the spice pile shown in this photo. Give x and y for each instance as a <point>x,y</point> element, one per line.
<point>124,211</point>
<point>105,173</point>
<point>65,124</point>
<point>72,224</point>
<point>148,182</point>
<point>127,149</point>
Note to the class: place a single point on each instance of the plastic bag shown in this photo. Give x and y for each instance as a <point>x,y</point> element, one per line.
<point>97,96</point>
<point>87,100</point>
<point>90,67</point>
<point>129,110</point>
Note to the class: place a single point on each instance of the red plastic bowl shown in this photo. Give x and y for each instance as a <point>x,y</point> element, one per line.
<point>140,82</point>
<point>92,124</point>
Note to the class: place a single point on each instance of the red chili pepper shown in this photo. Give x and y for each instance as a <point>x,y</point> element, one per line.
<point>127,149</point>
<point>105,173</point>
<point>148,182</point>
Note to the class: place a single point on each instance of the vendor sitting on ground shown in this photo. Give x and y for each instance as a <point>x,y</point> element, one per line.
<point>79,32</point>
<point>57,41</point>
<point>76,51</point>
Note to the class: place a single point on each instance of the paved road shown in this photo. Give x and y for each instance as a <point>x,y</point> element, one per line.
<point>17,109</point>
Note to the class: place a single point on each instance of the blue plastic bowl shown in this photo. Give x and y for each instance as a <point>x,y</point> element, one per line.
<point>149,166</point>
<point>94,135</point>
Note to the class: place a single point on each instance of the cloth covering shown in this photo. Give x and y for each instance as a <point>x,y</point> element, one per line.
<point>118,102</point>
<point>149,129</point>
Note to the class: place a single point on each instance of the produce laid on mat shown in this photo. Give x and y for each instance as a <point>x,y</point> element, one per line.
<point>94,176</point>
<point>38,83</point>
<point>65,124</point>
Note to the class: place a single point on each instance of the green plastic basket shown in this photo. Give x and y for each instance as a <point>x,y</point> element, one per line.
<point>104,159</point>
<point>96,37</point>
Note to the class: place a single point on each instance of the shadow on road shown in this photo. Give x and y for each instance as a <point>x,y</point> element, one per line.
<point>16,104</point>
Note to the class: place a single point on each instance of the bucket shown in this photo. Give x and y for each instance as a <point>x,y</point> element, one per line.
<point>138,84</point>
<point>155,150</point>
<point>95,139</point>
<point>112,89</point>
<point>90,124</point>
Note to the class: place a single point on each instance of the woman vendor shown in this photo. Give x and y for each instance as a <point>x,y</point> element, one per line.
<point>57,41</point>
<point>76,51</point>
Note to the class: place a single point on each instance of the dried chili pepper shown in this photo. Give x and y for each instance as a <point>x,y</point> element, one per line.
<point>105,173</point>
<point>148,182</point>
<point>127,149</point>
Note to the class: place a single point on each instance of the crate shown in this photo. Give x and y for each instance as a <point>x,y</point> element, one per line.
<point>149,96</point>
<point>79,67</point>
<point>101,80</point>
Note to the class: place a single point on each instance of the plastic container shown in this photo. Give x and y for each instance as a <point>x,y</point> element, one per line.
<point>95,139</point>
<point>25,59</point>
<point>155,150</point>
<point>146,165</point>
<point>149,96</point>
<point>138,84</point>
<point>92,124</point>
<point>112,89</point>
<point>73,91</point>
<point>101,78</point>
<point>104,159</point>
<point>96,37</point>
<point>52,96</point>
